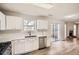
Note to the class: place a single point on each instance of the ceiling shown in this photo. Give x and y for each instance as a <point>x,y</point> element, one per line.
<point>28,9</point>
<point>56,10</point>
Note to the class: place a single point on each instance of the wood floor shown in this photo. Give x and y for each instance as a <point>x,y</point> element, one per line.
<point>60,48</point>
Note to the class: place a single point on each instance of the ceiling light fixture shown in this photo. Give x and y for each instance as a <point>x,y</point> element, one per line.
<point>44,5</point>
<point>70,16</point>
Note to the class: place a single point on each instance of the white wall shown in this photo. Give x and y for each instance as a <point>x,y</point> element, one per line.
<point>61,31</point>
<point>77,30</point>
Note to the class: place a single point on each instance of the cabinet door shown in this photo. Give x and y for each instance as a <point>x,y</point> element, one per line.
<point>31,44</point>
<point>19,23</point>
<point>34,42</point>
<point>42,24</point>
<point>28,45</point>
<point>2,21</point>
<point>14,22</point>
<point>18,46</point>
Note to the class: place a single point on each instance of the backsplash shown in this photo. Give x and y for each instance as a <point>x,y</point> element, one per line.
<point>9,31</point>
<point>19,33</point>
<point>11,34</point>
<point>14,33</point>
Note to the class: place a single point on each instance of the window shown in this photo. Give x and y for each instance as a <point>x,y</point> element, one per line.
<point>29,25</point>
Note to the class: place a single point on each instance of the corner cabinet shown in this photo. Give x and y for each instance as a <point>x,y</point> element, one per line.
<point>42,24</point>
<point>18,46</point>
<point>2,21</point>
<point>13,22</point>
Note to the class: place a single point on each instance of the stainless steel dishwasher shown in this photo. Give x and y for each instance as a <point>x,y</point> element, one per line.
<point>42,42</point>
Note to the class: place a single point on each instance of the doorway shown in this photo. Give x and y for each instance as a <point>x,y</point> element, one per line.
<point>54,32</point>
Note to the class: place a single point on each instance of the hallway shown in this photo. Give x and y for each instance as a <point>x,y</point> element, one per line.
<point>60,48</point>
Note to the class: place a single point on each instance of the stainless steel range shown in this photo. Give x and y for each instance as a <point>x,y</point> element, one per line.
<point>5,48</point>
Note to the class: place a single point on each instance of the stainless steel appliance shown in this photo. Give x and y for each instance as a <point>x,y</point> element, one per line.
<point>42,42</point>
<point>5,48</point>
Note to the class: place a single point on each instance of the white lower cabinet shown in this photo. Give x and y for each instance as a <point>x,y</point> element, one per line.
<point>27,45</point>
<point>18,46</point>
<point>35,44</point>
<point>24,45</point>
<point>31,44</point>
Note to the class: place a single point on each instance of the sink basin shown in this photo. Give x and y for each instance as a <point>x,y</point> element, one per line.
<point>30,36</point>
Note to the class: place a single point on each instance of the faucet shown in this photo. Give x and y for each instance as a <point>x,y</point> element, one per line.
<point>29,32</point>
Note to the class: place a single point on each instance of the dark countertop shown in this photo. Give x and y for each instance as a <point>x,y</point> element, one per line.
<point>30,36</point>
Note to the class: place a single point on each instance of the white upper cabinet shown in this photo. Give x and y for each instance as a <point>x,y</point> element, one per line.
<point>42,24</point>
<point>2,21</point>
<point>14,22</point>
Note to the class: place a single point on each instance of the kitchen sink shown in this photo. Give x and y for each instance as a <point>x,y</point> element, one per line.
<point>30,36</point>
